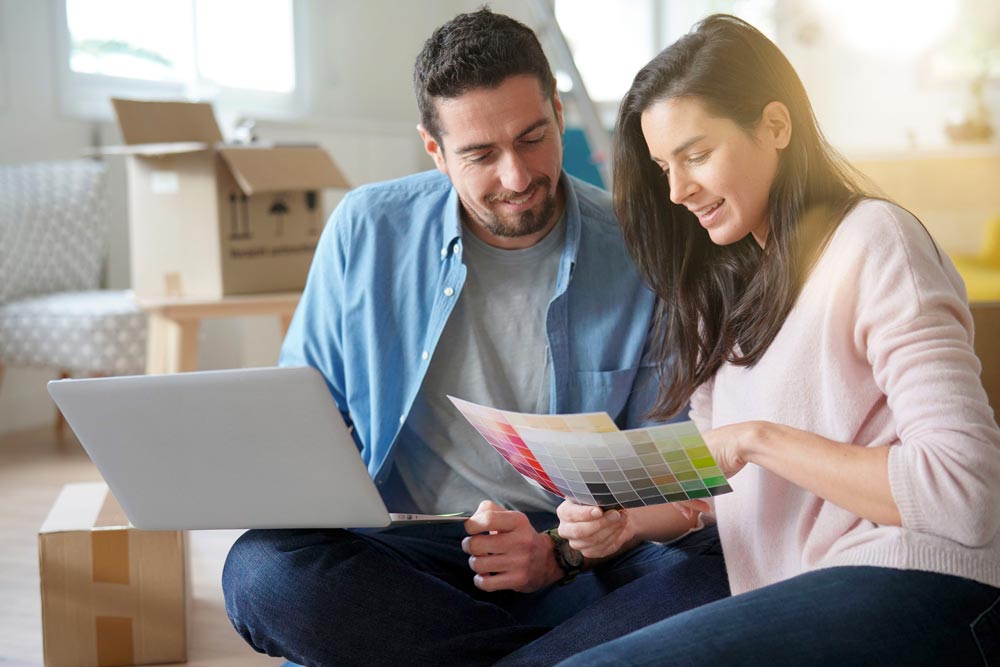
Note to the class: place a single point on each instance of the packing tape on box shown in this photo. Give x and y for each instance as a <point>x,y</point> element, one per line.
<point>114,641</point>
<point>109,553</point>
<point>109,546</point>
<point>111,513</point>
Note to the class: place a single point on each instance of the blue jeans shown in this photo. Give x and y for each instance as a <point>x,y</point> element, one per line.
<point>405,596</point>
<point>840,616</point>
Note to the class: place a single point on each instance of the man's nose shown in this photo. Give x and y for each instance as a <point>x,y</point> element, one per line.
<point>514,174</point>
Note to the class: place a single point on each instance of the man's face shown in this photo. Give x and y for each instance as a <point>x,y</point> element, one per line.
<point>502,149</point>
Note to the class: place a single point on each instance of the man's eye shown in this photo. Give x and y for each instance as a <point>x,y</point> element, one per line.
<point>482,157</point>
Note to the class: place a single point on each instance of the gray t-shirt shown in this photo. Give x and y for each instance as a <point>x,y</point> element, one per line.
<point>493,350</point>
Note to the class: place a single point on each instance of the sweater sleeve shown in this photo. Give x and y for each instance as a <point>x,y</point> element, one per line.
<point>914,326</point>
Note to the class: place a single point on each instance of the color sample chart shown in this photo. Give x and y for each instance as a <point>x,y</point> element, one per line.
<point>585,457</point>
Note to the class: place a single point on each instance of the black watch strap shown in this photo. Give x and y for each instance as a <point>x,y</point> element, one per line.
<point>569,560</point>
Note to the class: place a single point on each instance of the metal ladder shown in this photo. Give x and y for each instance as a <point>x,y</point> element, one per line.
<point>554,42</point>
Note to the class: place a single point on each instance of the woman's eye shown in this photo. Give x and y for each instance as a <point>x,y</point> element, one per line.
<point>698,159</point>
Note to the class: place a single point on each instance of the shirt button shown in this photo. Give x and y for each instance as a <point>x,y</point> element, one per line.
<point>448,291</point>
<point>402,418</point>
<point>424,355</point>
<point>444,252</point>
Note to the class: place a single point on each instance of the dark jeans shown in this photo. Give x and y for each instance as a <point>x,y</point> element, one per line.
<point>836,617</point>
<point>405,596</point>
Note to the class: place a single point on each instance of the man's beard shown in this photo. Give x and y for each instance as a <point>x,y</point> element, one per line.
<point>526,223</point>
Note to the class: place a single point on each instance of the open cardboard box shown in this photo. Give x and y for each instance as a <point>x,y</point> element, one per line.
<point>208,219</point>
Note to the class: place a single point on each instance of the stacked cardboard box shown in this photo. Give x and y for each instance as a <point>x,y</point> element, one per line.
<point>111,594</point>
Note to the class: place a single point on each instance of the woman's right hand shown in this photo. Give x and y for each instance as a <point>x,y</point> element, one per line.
<point>594,532</point>
<point>690,509</point>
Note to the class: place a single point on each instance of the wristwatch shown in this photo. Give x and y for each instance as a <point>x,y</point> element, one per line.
<point>569,560</point>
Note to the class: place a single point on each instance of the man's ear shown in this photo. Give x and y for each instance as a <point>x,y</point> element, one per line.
<point>434,149</point>
<point>776,124</point>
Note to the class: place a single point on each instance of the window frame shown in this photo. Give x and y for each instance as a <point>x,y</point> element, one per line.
<point>87,96</point>
<point>4,69</point>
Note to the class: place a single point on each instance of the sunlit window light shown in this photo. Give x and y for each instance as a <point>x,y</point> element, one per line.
<point>889,28</point>
<point>245,44</point>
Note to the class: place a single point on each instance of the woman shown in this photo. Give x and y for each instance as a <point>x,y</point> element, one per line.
<point>825,345</point>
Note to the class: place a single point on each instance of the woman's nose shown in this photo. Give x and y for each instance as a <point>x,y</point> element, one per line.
<point>681,187</point>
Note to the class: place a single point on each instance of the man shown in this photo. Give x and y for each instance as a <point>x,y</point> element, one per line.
<point>497,279</point>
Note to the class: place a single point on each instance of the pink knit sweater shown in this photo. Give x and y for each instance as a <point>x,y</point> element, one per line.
<point>877,352</point>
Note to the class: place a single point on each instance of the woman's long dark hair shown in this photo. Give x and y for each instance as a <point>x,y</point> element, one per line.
<point>724,303</point>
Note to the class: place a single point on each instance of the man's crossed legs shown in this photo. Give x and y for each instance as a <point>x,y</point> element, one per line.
<point>405,596</point>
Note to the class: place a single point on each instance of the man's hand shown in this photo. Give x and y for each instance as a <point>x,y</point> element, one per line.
<point>505,552</point>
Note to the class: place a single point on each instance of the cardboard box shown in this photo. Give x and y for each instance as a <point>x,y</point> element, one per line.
<point>111,594</point>
<point>207,219</point>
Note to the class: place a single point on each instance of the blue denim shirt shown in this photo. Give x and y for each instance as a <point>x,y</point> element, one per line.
<point>387,273</point>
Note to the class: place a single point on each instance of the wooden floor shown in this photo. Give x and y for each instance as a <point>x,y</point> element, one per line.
<point>33,467</point>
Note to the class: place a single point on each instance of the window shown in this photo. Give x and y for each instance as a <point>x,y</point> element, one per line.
<point>240,54</point>
<point>612,41</point>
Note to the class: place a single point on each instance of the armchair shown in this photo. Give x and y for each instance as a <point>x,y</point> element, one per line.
<point>53,249</point>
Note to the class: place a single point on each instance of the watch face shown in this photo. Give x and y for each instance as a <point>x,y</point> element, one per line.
<point>572,557</point>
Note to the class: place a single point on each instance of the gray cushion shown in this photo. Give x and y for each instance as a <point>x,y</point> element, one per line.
<point>53,227</point>
<point>100,331</point>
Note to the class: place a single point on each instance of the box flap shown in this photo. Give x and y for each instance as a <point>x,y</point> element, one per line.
<point>76,508</point>
<point>154,150</point>
<point>282,168</point>
<point>145,122</point>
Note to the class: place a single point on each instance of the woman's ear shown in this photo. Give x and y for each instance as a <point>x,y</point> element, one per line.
<point>776,125</point>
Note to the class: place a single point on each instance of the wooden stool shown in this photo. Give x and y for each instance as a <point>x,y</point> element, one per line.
<point>174,323</point>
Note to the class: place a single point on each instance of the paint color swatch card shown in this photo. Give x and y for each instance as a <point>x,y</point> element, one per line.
<point>585,457</point>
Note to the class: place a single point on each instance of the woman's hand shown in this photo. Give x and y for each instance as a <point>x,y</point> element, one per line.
<point>691,509</point>
<point>729,444</point>
<point>594,532</point>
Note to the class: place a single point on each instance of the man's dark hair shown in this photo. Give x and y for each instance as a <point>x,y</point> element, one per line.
<point>475,50</point>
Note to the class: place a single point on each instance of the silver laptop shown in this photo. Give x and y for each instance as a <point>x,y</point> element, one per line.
<point>248,448</point>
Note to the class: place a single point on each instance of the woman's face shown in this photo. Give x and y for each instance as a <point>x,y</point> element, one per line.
<point>716,169</point>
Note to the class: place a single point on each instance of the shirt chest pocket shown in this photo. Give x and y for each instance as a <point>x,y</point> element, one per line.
<point>602,391</point>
